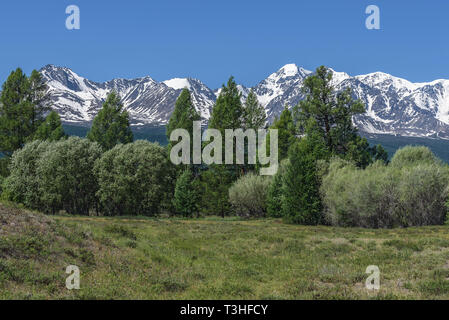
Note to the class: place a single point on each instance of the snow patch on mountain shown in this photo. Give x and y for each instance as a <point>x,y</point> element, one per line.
<point>177,83</point>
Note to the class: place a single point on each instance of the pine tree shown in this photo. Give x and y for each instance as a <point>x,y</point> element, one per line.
<point>274,195</point>
<point>183,116</point>
<point>39,98</point>
<point>254,114</point>
<point>333,112</point>
<point>301,201</point>
<point>22,104</point>
<point>286,132</point>
<point>111,125</point>
<point>186,196</point>
<point>216,182</point>
<point>228,111</point>
<point>51,129</point>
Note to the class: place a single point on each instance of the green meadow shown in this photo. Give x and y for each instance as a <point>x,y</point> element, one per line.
<point>215,258</point>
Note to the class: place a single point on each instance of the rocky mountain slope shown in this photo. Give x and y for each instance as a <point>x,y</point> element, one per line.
<point>394,106</point>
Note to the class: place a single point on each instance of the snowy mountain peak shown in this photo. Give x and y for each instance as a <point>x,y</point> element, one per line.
<point>289,70</point>
<point>177,83</point>
<point>385,79</point>
<point>338,77</point>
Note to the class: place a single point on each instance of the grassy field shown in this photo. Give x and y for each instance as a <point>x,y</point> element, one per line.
<point>212,258</point>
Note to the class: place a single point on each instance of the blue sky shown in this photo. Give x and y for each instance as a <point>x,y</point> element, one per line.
<point>211,40</point>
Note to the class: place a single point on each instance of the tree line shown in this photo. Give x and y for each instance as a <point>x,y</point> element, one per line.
<point>328,173</point>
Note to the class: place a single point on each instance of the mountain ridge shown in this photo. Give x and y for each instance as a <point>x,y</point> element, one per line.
<point>393,105</point>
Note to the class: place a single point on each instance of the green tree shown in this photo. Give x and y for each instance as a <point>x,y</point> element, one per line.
<point>39,97</point>
<point>254,114</point>
<point>228,111</point>
<point>111,124</point>
<point>22,184</point>
<point>274,195</point>
<point>301,202</point>
<point>66,177</point>
<point>184,115</point>
<point>51,129</point>
<point>286,132</point>
<point>215,183</point>
<point>134,179</point>
<point>333,113</point>
<point>22,104</point>
<point>186,197</point>
<point>182,118</point>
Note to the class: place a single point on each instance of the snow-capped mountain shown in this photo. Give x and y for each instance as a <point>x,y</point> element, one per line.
<point>78,100</point>
<point>281,88</point>
<point>393,105</point>
<point>397,106</point>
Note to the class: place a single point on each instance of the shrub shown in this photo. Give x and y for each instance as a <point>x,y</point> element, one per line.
<point>411,191</point>
<point>423,191</point>
<point>65,174</point>
<point>22,185</point>
<point>134,179</point>
<point>248,195</point>
<point>410,155</point>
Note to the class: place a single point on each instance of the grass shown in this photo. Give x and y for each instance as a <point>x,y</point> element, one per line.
<point>141,258</point>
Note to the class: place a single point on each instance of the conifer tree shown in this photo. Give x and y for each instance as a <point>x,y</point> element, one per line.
<point>111,125</point>
<point>333,113</point>
<point>39,97</point>
<point>286,132</point>
<point>216,182</point>
<point>228,111</point>
<point>51,129</point>
<point>274,194</point>
<point>23,102</point>
<point>254,114</point>
<point>186,196</point>
<point>301,202</point>
<point>183,116</point>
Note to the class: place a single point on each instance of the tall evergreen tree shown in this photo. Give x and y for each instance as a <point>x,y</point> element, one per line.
<point>22,104</point>
<point>228,111</point>
<point>215,189</point>
<point>111,125</point>
<point>301,201</point>
<point>39,98</point>
<point>186,196</point>
<point>254,114</point>
<point>51,129</point>
<point>183,116</point>
<point>286,132</point>
<point>333,113</point>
